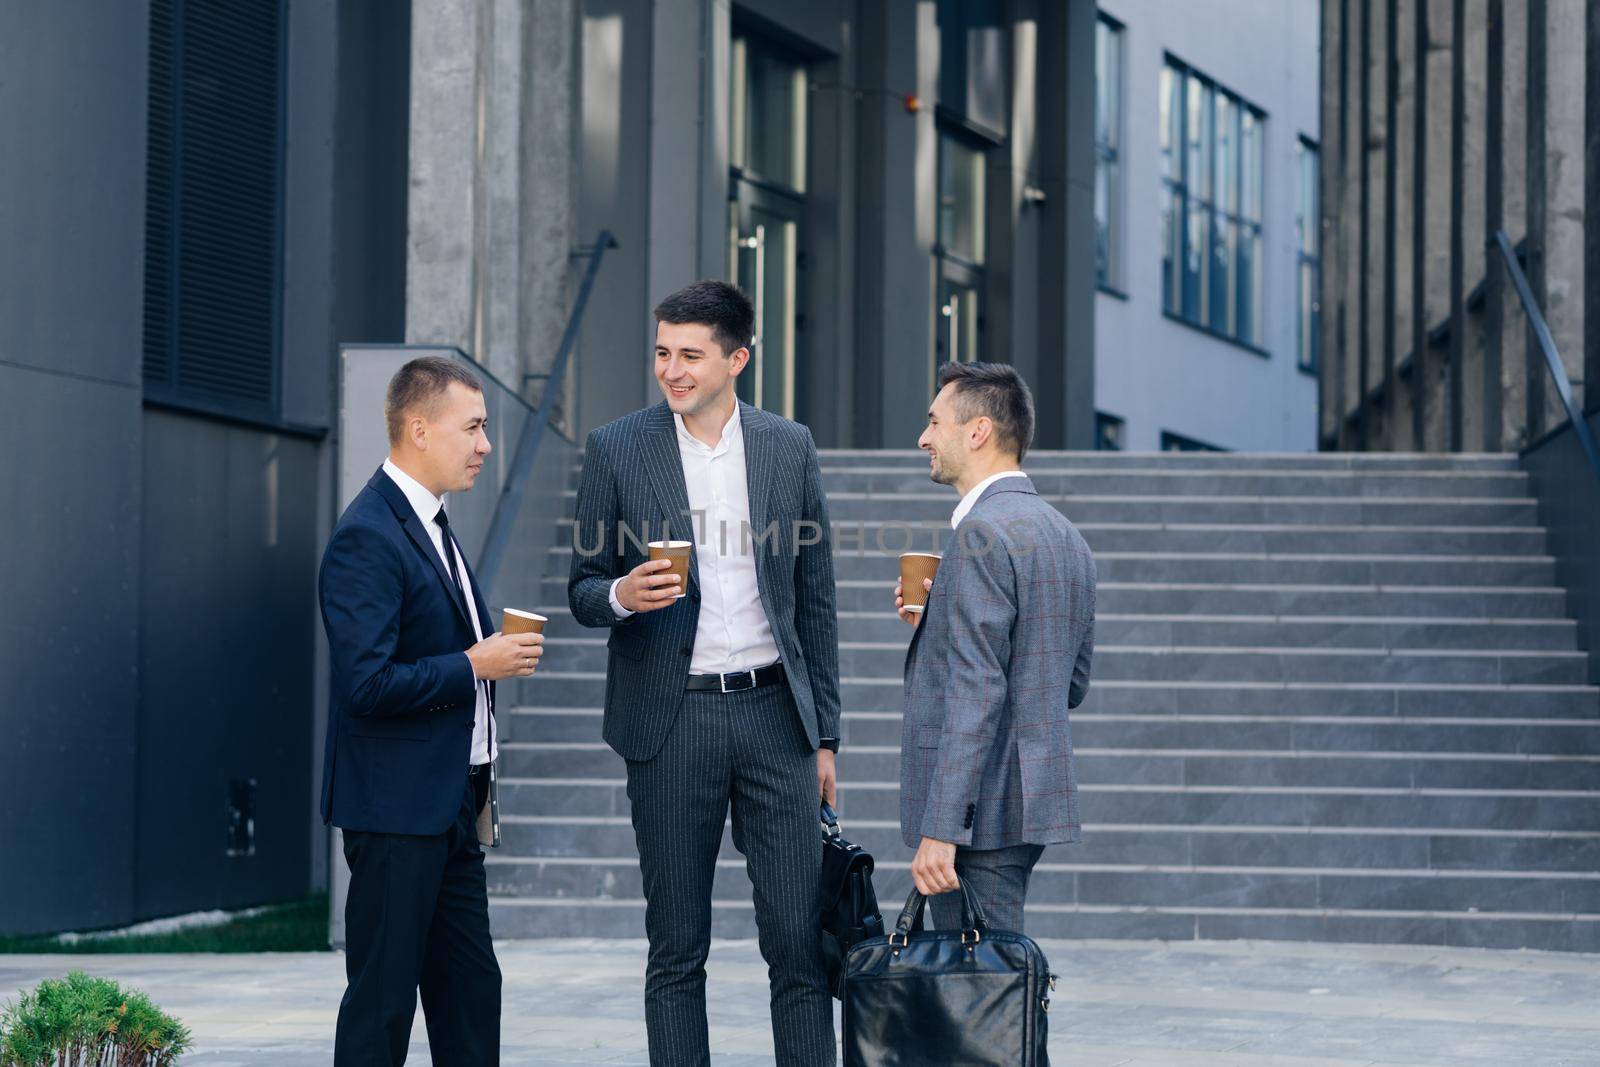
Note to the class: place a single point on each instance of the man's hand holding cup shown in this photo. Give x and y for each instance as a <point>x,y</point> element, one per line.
<point>503,655</point>
<point>650,586</point>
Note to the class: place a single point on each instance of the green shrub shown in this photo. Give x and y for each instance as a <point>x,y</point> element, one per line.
<point>79,1021</point>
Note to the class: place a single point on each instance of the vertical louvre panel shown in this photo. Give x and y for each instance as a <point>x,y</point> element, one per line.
<point>212,249</point>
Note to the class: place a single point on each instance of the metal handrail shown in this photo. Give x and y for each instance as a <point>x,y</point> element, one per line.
<point>505,509</point>
<point>1547,344</point>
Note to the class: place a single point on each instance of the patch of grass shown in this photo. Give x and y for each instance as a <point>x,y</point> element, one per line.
<point>298,927</point>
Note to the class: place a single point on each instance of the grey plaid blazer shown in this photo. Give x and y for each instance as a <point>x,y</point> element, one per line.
<point>1002,652</point>
<point>633,475</point>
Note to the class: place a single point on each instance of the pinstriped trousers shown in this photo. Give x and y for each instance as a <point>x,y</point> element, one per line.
<point>998,877</point>
<point>747,751</point>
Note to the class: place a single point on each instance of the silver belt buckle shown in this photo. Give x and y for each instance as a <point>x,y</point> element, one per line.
<point>723,679</point>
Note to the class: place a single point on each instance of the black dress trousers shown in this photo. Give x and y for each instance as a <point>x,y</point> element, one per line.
<point>417,916</point>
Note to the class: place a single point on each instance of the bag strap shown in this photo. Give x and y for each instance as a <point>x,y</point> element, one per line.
<point>972,917</point>
<point>830,821</point>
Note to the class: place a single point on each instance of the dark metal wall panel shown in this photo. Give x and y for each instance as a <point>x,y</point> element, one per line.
<point>71,289</point>
<point>228,572</point>
<point>1569,508</point>
<point>68,643</point>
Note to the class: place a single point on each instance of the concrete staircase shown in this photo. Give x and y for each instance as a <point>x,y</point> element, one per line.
<point>1335,698</point>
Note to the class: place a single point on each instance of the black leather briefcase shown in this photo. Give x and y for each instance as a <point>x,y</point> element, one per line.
<point>849,903</point>
<point>974,997</point>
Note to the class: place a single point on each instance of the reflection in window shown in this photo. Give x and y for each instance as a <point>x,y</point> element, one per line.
<point>960,199</point>
<point>1211,148</point>
<point>766,212</point>
<point>1107,432</point>
<point>1308,242</point>
<point>1107,137</point>
<point>767,107</point>
<point>958,327</point>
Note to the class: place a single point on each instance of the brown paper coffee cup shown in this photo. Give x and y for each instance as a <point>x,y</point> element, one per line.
<point>522,622</point>
<point>678,553</point>
<point>914,567</point>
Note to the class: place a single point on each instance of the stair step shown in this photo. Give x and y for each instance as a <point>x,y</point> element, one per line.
<point>1089,509</point>
<point>1068,480</point>
<point>836,458</point>
<point>1320,568</point>
<point>552,688</point>
<point>1286,733</point>
<point>869,663</point>
<point>1459,602</point>
<point>1194,767</point>
<point>1146,844</point>
<point>543,917</point>
<point>1128,884</point>
<point>1190,805</point>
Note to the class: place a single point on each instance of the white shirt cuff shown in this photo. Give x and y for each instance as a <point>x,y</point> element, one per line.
<point>616,605</point>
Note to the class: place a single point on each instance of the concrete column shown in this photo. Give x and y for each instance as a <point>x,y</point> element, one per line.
<point>492,194</point>
<point>1564,192</point>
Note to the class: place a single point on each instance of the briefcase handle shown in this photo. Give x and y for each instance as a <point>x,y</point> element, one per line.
<point>972,918</point>
<point>830,821</point>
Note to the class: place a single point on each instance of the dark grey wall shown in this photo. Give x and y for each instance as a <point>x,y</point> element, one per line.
<point>71,258</point>
<point>159,627</point>
<point>228,572</point>
<point>1569,507</point>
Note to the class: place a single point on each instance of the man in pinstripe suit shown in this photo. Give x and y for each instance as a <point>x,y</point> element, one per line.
<point>1001,653</point>
<point>725,694</point>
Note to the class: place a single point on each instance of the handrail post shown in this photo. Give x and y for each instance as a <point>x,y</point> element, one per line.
<point>505,510</point>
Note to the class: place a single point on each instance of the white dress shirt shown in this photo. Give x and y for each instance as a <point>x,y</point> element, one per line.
<point>426,505</point>
<point>733,633</point>
<point>975,492</point>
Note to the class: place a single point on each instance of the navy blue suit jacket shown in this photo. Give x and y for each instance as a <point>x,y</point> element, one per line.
<point>400,721</point>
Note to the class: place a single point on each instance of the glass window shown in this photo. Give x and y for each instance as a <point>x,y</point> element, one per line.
<point>1308,241</point>
<point>766,213</point>
<point>960,199</point>
<point>1107,137</point>
<point>972,61</point>
<point>1107,432</point>
<point>1211,205</point>
<point>767,113</point>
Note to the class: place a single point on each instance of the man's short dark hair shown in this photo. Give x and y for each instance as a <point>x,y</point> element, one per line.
<point>715,304</point>
<point>422,383</point>
<point>995,390</point>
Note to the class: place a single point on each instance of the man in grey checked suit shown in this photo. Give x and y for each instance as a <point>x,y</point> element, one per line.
<point>724,694</point>
<point>1001,653</point>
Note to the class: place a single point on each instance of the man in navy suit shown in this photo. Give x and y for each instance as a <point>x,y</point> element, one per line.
<point>725,699</point>
<point>411,738</point>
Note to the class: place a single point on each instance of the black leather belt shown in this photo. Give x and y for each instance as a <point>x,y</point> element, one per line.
<point>737,681</point>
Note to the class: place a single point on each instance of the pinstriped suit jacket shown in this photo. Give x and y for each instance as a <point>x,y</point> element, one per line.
<point>633,474</point>
<point>1002,652</point>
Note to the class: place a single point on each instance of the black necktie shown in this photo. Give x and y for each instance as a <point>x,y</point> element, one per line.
<point>450,561</point>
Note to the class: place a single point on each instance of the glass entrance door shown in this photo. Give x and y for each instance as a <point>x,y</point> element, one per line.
<point>764,261</point>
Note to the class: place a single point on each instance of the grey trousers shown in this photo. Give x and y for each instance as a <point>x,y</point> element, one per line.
<point>749,752</point>
<point>998,877</point>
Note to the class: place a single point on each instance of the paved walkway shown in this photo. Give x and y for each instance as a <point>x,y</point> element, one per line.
<point>1119,1004</point>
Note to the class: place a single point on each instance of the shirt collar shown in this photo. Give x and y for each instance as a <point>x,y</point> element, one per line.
<point>732,433</point>
<point>424,503</point>
<point>975,492</point>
